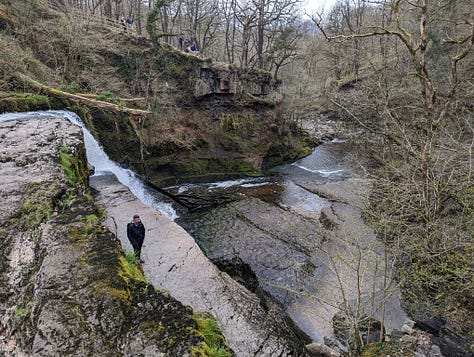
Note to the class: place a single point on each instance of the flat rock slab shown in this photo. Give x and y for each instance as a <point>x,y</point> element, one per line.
<point>175,263</point>
<point>354,250</point>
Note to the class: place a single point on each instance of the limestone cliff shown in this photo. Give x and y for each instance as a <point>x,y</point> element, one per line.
<point>65,285</point>
<point>209,121</point>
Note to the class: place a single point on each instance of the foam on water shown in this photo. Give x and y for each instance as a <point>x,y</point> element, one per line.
<point>322,172</point>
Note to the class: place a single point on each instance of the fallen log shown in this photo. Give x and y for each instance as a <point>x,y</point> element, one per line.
<point>125,100</point>
<point>43,89</point>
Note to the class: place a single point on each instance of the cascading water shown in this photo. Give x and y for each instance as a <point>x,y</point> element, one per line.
<point>99,159</point>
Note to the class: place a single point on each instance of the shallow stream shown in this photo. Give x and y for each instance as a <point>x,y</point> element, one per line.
<point>267,233</point>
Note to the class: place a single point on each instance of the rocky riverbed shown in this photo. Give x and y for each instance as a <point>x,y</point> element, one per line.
<point>311,263</point>
<point>175,263</point>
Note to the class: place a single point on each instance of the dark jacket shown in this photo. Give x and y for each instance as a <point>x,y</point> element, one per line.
<point>135,232</point>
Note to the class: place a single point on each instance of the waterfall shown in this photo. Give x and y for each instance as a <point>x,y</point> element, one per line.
<point>101,162</point>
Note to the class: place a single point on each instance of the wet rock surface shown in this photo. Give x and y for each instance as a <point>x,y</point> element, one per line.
<point>174,262</point>
<point>307,262</point>
<point>64,287</point>
<point>276,244</point>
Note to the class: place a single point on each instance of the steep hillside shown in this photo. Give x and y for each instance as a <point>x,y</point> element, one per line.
<point>170,115</point>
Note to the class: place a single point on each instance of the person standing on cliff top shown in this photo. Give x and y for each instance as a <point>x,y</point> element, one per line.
<point>180,41</point>
<point>136,235</point>
<point>123,23</point>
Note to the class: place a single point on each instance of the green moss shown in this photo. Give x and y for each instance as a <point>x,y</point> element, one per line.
<point>153,327</point>
<point>84,113</point>
<point>67,166</point>
<point>38,204</point>
<point>214,344</point>
<point>105,287</point>
<point>37,98</point>
<point>178,68</point>
<point>75,167</point>
<point>22,102</point>
<point>394,349</point>
<point>129,269</point>
<point>238,124</point>
<point>216,168</point>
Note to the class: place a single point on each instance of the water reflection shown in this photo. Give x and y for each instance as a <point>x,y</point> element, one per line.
<point>284,185</point>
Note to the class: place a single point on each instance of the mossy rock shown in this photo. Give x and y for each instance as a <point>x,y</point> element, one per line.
<point>25,102</point>
<point>394,349</point>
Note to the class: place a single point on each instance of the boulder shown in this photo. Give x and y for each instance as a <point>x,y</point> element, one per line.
<point>318,349</point>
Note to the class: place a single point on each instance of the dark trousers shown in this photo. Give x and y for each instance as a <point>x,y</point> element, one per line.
<point>137,247</point>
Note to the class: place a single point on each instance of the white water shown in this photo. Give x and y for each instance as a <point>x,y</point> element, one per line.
<point>322,172</point>
<point>99,159</point>
<point>245,182</point>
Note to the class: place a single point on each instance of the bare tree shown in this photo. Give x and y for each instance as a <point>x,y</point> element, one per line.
<point>414,102</point>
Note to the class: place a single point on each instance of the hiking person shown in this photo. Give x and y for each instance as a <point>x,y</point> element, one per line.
<point>187,45</point>
<point>136,235</point>
<point>123,22</point>
<point>180,41</point>
<point>129,23</point>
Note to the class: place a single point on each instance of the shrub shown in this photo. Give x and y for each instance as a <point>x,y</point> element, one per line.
<point>72,87</point>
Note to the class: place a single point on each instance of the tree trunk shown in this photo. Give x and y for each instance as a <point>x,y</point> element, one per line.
<point>260,32</point>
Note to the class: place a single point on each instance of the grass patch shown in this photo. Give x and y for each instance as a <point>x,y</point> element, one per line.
<point>74,167</point>
<point>130,268</point>
<point>72,87</point>
<point>393,349</point>
<point>214,344</point>
<point>107,96</point>
<point>91,221</point>
<point>67,166</point>
<point>21,312</point>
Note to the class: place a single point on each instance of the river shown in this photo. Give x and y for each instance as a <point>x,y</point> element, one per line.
<point>267,235</point>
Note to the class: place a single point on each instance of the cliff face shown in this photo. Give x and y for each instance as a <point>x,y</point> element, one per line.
<point>65,286</point>
<point>209,121</point>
